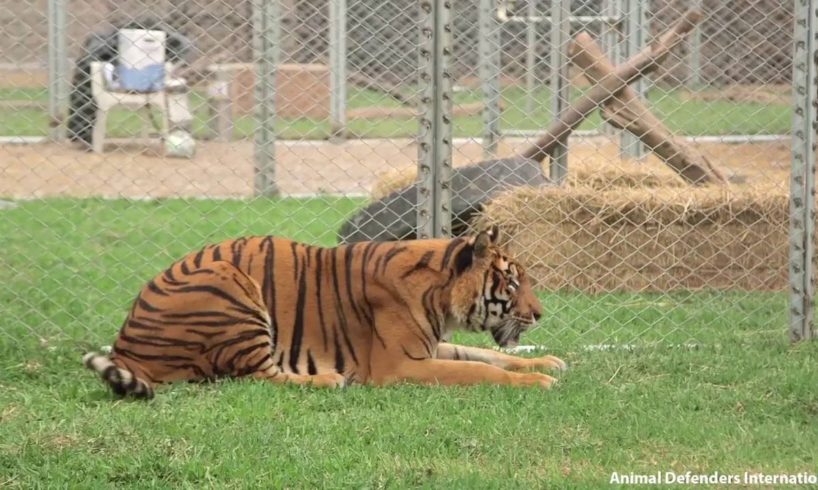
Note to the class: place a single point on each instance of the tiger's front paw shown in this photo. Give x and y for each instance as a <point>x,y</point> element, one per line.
<point>537,379</point>
<point>539,363</point>
<point>329,380</point>
<point>549,362</point>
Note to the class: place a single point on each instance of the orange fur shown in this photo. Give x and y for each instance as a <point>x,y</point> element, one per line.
<point>287,312</point>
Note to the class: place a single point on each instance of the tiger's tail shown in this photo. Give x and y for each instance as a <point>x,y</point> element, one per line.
<point>122,381</point>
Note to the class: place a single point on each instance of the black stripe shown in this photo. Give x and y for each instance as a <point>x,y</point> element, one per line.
<point>338,306</point>
<point>421,264</point>
<point>298,324</point>
<point>391,255</point>
<point>141,326</point>
<point>207,335</point>
<point>431,314</point>
<point>219,293</point>
<point>197,260</point>
<point>339,356</point>
<point>294,251</point>
<point>369,312</point>
<point>349,260</point>
<point>200,270</point>
<point>410,356</point>
<point>251,294</point>
<point>196,314</point>
<point>425,339</point>
<point>255,367</point>
<point>111,374</point>
<point>217,253</point>
<point>463,259</point>
<point>253,316</point>
<point>497,279</point>
<point>238,340</point>
<point>155,289</point>
<point>184,268</point>
<point>237,247</point>
<point>147,306</point>
<point>319,264</point>
<point>170,278</point>
<point>357,308</point>
<point>229,322</point>
<point>311,370</point>
<point>268,289</point>
<point>249,269</point>
<point>447,254</point>
<point>231,363</point>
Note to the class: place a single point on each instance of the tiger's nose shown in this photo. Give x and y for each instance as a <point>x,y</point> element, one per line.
<point>537,315</point>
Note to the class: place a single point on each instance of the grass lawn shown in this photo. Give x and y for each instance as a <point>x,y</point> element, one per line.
<point>740,399</point>
<point>689,117</point>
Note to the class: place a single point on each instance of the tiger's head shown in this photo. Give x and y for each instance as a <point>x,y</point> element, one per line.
<point>494,293</point>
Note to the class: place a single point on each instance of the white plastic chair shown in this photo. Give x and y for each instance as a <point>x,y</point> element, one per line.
<point>107,99</point>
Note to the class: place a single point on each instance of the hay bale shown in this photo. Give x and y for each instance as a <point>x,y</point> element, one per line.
<point>595,174</point>
<point>659,239</point>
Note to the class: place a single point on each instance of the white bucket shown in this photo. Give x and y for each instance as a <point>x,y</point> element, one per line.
<point>141,66</point>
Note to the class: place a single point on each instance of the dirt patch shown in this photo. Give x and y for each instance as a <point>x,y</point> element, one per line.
<point>304,167</point>
<point>468,109</point>
<point>756,94</point>
<point>24,78</point>
<point>596,162</point>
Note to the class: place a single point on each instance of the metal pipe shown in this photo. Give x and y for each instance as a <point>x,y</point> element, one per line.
<point>802,181</point>
<point>265,47</point>
<point>560,87</point>
<point>337,62</point>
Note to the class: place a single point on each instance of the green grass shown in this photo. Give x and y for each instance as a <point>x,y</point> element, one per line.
<point>690,117</point>
<point>740,399</point>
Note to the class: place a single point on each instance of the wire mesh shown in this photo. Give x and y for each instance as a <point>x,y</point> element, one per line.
<point>304,117</point>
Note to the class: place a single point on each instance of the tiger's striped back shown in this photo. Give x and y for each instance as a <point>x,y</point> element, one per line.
<point>290,312</point>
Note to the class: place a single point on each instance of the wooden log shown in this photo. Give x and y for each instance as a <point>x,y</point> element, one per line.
<point>637,66</point>
<point>627,111</point>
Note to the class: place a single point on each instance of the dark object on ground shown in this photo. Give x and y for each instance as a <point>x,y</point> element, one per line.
<point>394,216</point>
<point>104,46</point>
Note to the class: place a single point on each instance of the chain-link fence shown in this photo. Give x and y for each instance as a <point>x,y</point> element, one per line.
<point>644,213</point>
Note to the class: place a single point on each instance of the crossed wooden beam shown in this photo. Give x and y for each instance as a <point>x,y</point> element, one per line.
<point>621,106</point>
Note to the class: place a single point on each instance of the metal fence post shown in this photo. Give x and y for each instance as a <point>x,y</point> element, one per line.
<point>435,139</point>
<point>695,79</point>
<point>802,181</point>
<point>337,62</point>
<point>489,53</point>
<point>265,47</point>
<point>531,57</point>
<point>612,43</point>
<point>57,68</point>
<point>630,145</point>
<point>560,86</point>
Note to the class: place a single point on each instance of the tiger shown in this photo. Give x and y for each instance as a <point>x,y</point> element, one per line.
<point>375,313</point>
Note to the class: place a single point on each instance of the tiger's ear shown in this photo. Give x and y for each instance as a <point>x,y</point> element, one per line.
<point>484,240</point>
